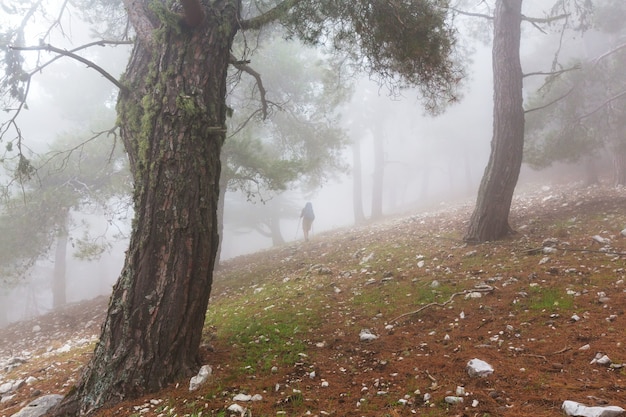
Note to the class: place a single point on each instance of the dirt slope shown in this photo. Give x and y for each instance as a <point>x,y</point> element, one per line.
<point>285,323</point>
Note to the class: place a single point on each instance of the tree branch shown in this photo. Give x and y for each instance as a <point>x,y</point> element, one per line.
<point>269,16</point>
<point>604,104</point>
<point>243,66</point>
<point>63,52</point>
<point>530,74</point>
<point>606,54</point>
<point>470,14</point>
<point>550,103</point>
<point>140,21</point>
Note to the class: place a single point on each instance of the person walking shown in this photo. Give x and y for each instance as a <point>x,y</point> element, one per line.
<point>307,217</point>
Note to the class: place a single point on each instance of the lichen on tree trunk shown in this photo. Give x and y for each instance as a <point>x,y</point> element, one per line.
<point>489,220</point>
<point>172,120</point>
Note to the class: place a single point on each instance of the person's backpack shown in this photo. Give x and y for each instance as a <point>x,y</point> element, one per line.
<point>307,212</point>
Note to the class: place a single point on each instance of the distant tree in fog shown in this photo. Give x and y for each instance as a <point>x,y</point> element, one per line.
<point>172,115</point>
<point>490,218</point>
<point>297,142</point>
<point>82,175</point>
<point>582,113</point>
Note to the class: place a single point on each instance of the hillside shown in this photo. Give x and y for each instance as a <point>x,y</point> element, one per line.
<point>285,324</point>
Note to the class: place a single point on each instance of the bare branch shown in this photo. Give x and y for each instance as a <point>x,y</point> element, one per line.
<point>550,103</point>
<point>48,47</point>
<point>604,104</point>
<point>552,73</point>
<point>464,13</point>
<point>243,66</point>
<point>606,54</point>
<point>57,22</point>
<point>543,20</point>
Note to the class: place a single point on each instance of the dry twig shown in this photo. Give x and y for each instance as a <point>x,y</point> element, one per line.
<point>482,289</point>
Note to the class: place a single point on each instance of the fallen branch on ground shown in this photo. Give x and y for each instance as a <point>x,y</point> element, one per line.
<point>481,289</point>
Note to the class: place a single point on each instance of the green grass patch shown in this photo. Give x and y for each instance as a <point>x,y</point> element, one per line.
<point>267,329</point>
<point>549,299</point>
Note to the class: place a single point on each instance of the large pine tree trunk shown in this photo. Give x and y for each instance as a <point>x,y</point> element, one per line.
<point>490,218</point>
<point>172,120</point>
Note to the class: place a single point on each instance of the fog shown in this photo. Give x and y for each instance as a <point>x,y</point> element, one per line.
<point>430,162</point>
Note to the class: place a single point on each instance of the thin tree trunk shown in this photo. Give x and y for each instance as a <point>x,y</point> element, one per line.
<point>173,126</point>
<point>379,174</point>
<point>220,219</point>
<point>59,295</point>
<point>490,218</point>
<point>619,165</point>
<point>357,183</point>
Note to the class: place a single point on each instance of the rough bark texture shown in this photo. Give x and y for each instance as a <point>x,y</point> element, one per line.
<point>490,218</point>
<point>172,123</point>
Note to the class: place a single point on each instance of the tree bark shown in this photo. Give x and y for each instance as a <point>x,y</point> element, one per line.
<point>172,121</point>
<point>489,220</point>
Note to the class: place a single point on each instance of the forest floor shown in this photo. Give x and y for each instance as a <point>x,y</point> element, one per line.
<point>285,323</point>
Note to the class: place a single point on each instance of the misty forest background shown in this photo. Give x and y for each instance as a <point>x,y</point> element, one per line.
<point>333,136</point>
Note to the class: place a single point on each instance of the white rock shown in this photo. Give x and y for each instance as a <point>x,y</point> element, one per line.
<point>366,335</point>
<point>7,398</point>
<point>600,239</point>
<point>420,264</point>
<point>236,409</point>
<point>256,397</point>
<point>473,294</point>
<point>64,349</point>
<point>6,387</point>
<point>602,360</point>
<point>242,397</point>
<point>36,328</point>
<point>623,233</point>
<point>31,380</point>
<point>453,400</point>
<point>39,406</point>
<point>198,380</point>
<point>480,368</point>
<point>572,408</point>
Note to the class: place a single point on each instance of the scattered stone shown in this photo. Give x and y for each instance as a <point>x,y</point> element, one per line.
<point>201,378</point>
<point>601,359</point>
<point>39,407</point>
<point>242,397</point>
<point>479,368</point>
<point>572,408</point>
<point>623,233</point>
<point>236,410</point>
<point>599,239</point>
<point>453,400</point>
<point>367,336</point>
